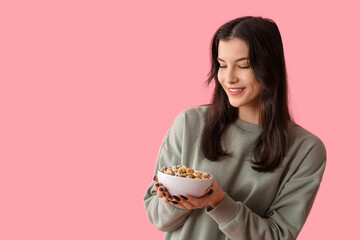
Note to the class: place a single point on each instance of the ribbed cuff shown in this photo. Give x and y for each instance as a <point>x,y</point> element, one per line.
<point>225,211</point>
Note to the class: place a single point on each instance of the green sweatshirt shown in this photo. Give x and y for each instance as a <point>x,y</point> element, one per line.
<point>257,205</point>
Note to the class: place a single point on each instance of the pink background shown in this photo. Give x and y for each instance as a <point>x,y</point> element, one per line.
<point>89,89</point>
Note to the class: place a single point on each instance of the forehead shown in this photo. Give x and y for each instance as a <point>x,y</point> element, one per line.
<point>232,49</point>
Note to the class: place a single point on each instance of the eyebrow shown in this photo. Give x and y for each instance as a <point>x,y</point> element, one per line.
<point>237,60</point>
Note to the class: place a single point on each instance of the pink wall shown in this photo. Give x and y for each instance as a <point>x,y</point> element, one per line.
<point>88,90</point>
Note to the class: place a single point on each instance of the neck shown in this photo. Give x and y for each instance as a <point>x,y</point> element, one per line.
<point>248,114</point>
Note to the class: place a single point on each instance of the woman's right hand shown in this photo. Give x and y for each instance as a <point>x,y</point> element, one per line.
<point>161,191</point>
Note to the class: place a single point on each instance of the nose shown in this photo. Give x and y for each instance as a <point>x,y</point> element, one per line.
<point>230,76</point>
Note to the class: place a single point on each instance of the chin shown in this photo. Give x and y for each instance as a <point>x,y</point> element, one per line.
<point>234,104</point>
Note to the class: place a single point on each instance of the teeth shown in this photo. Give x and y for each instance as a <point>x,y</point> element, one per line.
<point>235,90</point>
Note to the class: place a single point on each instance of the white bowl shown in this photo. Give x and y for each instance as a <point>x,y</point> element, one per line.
<point>184,186</point>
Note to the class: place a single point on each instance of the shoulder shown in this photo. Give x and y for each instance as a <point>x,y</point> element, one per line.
<point>299,135</point>
<point>308,149</point>
<point>189,122</point>
<point>195,112</point>
<point>191,116</point>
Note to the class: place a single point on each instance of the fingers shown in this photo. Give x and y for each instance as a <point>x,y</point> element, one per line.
<point>179,204</point>
<point>156,186</point>
<point>182,201</point>
<point>176,198</point>
<point>176,201</point>
<point>185,201</point>
<point>166,199</point>
<point>161,191</point>
<point>189,202</point>
<point>155,178</point>
<point>195,202</point>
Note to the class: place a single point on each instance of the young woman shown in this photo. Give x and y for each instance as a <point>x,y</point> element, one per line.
<point>267,169</point>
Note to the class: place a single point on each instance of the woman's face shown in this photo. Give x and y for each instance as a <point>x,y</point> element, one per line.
<point>236,77</point>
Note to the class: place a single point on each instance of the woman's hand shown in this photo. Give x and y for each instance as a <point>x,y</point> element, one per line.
<point>213,197</point>
<point>161,191</point>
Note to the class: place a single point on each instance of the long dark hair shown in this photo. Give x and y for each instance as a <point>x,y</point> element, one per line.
<point>266,57</point>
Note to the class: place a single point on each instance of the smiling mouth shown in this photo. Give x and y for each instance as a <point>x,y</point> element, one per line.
<point>235,91</point>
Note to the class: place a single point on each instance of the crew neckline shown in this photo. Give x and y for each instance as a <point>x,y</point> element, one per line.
<point>251,127</point>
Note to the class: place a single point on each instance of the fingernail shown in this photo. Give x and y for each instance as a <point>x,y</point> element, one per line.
<point>161,189</point>
<point>184,197</point>
<point>210,192</point>
<point>164,194</point>
<point>157,184</point>
<point>174,202</point>
<point>177,198</point>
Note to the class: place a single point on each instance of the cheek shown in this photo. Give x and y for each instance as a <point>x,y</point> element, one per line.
<point>219,76</point>
<point>254,83</point>
<point>257,88</point>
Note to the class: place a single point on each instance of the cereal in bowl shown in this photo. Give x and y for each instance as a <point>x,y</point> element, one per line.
<point>184,171</point>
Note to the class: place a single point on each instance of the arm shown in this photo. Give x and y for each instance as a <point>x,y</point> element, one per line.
<point>165,216</point>
<point>288,212</point>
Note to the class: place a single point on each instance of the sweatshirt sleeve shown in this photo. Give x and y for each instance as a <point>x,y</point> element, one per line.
<point>164,216</point>
<point>287,213</point>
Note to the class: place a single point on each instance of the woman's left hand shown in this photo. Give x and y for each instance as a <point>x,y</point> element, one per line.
<point>213,197</point>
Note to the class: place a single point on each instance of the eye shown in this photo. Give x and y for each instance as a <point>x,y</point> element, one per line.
<point>244,67</point>
<point>222,66</point>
